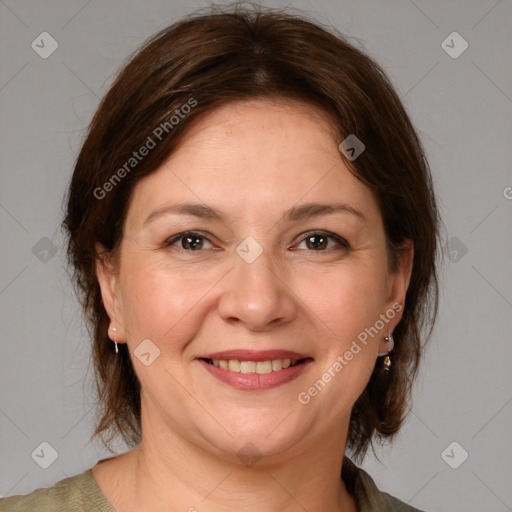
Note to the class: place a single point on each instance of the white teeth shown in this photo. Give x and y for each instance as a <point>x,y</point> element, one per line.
<point>277,364</point>
<point>234,365</point>
<point>259,367</point>
<point>247,366</point>
<point>264,367</point>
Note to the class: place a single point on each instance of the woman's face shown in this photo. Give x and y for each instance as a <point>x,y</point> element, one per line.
<point>265,280</point>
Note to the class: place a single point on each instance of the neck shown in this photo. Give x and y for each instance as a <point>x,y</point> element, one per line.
<point>171,473</point>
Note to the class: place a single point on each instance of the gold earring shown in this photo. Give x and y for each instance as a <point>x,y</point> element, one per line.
<point>386,363</point>
<point>115,338</point>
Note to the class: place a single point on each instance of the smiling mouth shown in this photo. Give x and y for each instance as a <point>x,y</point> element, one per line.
<point>258,367</point>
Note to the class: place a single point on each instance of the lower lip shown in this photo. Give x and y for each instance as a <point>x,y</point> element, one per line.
<point>256,381</point>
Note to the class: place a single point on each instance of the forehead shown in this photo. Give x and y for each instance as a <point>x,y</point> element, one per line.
<point>255,155</point>
<point>275,126</point>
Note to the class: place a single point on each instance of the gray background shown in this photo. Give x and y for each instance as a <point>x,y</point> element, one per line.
<point>462,108</point>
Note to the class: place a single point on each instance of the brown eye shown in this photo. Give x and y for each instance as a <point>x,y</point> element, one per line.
<point>319,242</point>
<point>316,242</point>
<point>192,242</point>
<point>189,241</point>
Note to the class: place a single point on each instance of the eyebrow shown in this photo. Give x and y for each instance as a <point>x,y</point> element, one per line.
<point>294,214</point>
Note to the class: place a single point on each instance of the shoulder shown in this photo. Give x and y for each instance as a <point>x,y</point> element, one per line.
<point>73,494</point>
<point>368,496</point>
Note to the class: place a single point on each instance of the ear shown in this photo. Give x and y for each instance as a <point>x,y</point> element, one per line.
<point>398,284</point>
<point>108,280</point>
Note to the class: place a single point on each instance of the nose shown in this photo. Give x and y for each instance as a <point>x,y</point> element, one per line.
<point>256,294</point>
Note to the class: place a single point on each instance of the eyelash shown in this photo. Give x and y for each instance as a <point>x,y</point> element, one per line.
<point>341,241</point>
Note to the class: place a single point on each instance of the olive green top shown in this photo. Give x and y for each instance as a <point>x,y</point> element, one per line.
<point>81,494</point>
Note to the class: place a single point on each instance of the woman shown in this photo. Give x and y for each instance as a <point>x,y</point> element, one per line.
<point>253,233</point>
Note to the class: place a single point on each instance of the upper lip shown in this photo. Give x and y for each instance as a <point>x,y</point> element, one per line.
<point>255,355</point>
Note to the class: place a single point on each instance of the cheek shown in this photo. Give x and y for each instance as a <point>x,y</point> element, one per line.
<point>159,303</point>
<point>345,300</point>
<point>346,303</point>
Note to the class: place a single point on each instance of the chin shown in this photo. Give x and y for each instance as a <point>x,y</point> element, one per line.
<point>249,436</point>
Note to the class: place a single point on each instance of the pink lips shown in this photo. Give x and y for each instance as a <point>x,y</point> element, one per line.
<point>254,381</point>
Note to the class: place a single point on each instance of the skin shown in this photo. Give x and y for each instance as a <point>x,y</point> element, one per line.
<point>252,160</point>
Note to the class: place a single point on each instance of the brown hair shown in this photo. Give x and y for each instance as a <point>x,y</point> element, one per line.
<point>240,53</point>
